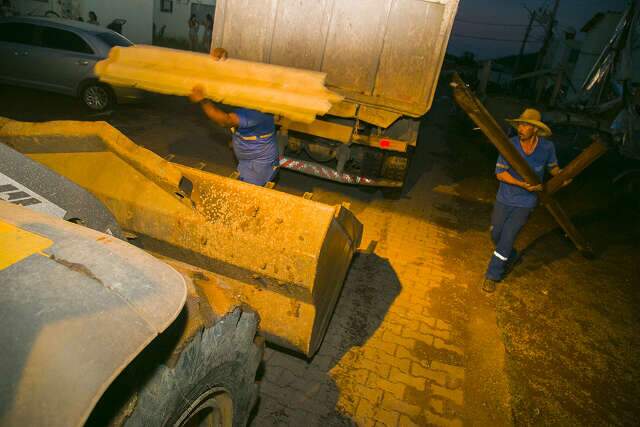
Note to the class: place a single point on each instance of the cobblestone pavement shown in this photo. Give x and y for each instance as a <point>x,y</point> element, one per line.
<point>390,357</point>
<point>394,352</point>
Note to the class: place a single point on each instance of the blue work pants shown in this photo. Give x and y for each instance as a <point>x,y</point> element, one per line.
<point>257,172</point>
<point>506,223</point>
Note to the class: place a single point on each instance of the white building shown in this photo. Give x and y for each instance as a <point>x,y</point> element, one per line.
<point>597,33</point>
<point>137,13</point>
<point>171,17</point>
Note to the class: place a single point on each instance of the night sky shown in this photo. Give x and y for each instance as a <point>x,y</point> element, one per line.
<point>513,13</point>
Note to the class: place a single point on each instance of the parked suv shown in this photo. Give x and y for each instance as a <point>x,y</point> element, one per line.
<point>59,55</point>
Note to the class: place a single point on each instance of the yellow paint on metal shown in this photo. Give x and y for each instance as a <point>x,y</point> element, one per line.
<point>290,92</point>
<point>283,255</point>
<point>17,244</point>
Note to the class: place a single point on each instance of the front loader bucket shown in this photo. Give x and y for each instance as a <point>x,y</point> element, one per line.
<point>284,256</point>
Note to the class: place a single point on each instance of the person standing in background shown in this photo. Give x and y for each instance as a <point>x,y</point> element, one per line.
<point>93,18</point>
<point>6,9</point>
<point>208,33</point>
<point>194,26</point>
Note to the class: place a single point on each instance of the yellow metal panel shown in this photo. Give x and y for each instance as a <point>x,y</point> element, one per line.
<point>328,130</point>
<point>378,117</point>
<point>249,24</point>
<point>343,109</point>
<point>294,93</point>
<point>408,71</point>
<point>294,40</point>
<point>382,53</point>
<point>17,244</point>
<point>353,44</point>
<point>283,255</point>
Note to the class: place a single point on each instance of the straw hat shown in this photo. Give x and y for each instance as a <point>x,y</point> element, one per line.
<point>532,117</point>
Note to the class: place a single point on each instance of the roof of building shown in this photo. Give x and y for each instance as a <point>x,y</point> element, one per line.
<point>596,19</point>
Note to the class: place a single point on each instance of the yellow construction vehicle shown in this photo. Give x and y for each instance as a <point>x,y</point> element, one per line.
<point>85,306</point>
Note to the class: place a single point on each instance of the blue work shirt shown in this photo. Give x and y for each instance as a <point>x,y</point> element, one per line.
<point>544,156</point>
<point>254,139</point>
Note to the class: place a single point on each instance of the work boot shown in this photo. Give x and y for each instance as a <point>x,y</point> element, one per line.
<point>488,285</point>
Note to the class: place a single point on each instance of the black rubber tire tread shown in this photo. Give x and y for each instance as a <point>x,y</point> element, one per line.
<point>371,163</point>
<point>225,355</point>
<point>315,157</point>
<point>396,174</point>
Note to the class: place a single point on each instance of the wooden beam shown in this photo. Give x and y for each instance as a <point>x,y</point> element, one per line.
<point>565,222</point>
<point>485,121</point>
<point>577,165</point>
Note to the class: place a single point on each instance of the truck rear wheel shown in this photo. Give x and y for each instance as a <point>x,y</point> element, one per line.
<point>211,384</point>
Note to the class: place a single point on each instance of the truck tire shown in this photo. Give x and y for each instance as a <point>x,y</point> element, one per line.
<point>319,153</point>
<point>211,383</point>
<point>372,163</point>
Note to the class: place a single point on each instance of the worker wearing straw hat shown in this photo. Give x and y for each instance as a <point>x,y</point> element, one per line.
<point>516,198</point>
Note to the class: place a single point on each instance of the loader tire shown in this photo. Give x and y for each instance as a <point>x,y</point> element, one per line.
<point>211,383</point>
<point>215,376</point>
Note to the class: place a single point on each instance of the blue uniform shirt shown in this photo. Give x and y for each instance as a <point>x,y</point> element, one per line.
<point>254,138</point>
<point>544,156</point>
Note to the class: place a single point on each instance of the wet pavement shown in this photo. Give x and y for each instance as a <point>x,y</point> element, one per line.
<point>413,341</point>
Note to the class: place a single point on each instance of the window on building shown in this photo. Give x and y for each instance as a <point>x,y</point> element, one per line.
<point>166,6</point>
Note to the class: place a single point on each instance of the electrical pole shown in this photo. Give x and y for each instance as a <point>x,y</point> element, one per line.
<point>540,83</point>
<point>532,17</point>
<point>548,35</point>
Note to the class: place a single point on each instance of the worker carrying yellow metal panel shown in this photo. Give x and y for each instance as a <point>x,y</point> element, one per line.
<point>254,142</point>
<point>299,95</point>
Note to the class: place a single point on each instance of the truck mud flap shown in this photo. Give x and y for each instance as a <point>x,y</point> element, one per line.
<point>282,255</point>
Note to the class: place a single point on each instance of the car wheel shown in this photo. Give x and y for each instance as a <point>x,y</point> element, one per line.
<point>97,97</point>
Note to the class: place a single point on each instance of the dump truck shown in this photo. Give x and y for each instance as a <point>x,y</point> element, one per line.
<point>383,56</point>
<point>131,288</point>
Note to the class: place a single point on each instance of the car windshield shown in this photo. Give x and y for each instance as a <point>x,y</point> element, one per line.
<point>114,39</point>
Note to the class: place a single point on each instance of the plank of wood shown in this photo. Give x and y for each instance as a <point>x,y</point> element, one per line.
<point>577,165</point>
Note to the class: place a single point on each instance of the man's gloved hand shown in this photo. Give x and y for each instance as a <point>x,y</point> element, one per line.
<point>197,94</point>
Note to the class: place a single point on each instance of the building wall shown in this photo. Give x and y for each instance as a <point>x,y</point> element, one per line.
<point>34,7</point>
<point>138,13</point>
<point>176,21</point>
<point>592,46</point>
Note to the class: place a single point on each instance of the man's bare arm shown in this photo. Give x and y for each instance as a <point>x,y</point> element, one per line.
<point>555,170</point>
<point>219,117</point>
<point>509,179</point>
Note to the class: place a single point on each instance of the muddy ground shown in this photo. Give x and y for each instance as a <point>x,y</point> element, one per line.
<point>569,325</point>
<point>557,344</point>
